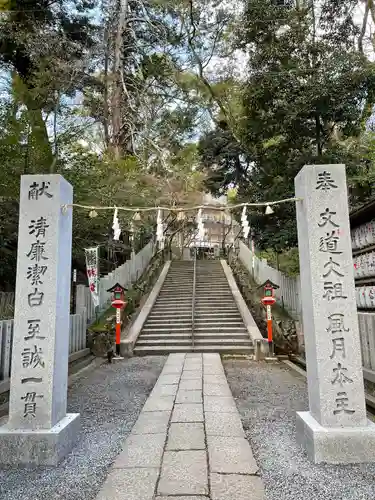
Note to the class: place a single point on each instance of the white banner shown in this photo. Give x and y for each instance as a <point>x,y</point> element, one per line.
<point>92,269</point>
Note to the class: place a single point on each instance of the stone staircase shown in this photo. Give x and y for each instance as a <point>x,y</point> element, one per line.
<point>218,325</point>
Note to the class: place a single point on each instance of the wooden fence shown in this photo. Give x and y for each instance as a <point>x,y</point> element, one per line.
<point>289,296</point>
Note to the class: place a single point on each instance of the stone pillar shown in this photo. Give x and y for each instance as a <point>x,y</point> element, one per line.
<point>38,430</point>
<point>336,429</point>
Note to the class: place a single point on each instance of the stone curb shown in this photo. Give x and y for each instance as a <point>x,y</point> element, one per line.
<point>247,318</point>
<point>127,345</point>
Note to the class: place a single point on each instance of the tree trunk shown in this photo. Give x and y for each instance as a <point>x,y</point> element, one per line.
<point>117,83</point>
<point>364,25</point>
<point>105,92</point>
<point>38,137</point>
<point>319,148</point>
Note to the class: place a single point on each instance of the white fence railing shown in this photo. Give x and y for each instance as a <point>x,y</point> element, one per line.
<point>77,341</point>
<point>126,274</point>
<point>289,295</point>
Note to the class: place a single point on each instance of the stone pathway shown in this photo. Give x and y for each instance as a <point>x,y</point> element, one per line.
<point>188,442</point>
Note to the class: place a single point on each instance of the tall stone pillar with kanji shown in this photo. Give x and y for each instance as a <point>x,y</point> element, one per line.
<point>336,429</point>
<point>39,431</point>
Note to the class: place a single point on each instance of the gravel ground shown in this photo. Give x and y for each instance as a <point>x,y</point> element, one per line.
<point>267,397</point>
<point>109,400</point>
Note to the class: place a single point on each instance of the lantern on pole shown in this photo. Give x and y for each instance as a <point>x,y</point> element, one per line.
<point>118,302</point>
<point>268,300</point>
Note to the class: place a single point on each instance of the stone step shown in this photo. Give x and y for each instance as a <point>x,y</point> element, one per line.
<point>157,336</point>
<point>148,350</point>
<point>167,327</point>
<point>182,292</point>
<point>223,328</point>
<point>197,342</point>
<point>177,286</point>
<point>162,299</point>
<point>216,279</point>
<point>169,330</point>
<point>206,279</point>
<point>165,330</point>
<point>177,281</point>
<point>234,316</point>
<point>176,275</point>
<point>161,320</point>
<point>198,326</point>
<point>164,341</point>
<point>225,349</point>
<point>169,320</point>
<point>223,305</point>
<point>214,285</point>
<point>162,311</point>
<point>213,308</point>
<point>209,293</point>
<point>212,289</point>
<point>173,286</point>
<point>200,323</point>
<point>171,297</point>
<point>223,288</point>
<point>221,341</point>
<point>216,300</point>
<point>172,314</point>
<point>173,304</point>
<point>213,272</point>
<point>221,335</point>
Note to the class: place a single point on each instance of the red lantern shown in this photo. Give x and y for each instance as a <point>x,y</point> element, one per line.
<point>269,300</point>
<point>118,302</point>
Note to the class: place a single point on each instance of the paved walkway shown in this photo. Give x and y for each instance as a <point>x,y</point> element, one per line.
<point>188,442</point>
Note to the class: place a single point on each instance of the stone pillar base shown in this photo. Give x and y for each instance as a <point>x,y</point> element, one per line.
<point>338,445</point>
<point>39,447</point>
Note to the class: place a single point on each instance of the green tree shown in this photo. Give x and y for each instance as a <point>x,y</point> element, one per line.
<point>303,100</point>
<point>47,46</point>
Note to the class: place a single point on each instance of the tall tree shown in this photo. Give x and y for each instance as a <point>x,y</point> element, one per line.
<point>303,99</point>
<point>47,47</point>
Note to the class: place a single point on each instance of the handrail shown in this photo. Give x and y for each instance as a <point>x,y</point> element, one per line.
<point>193,298</point>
